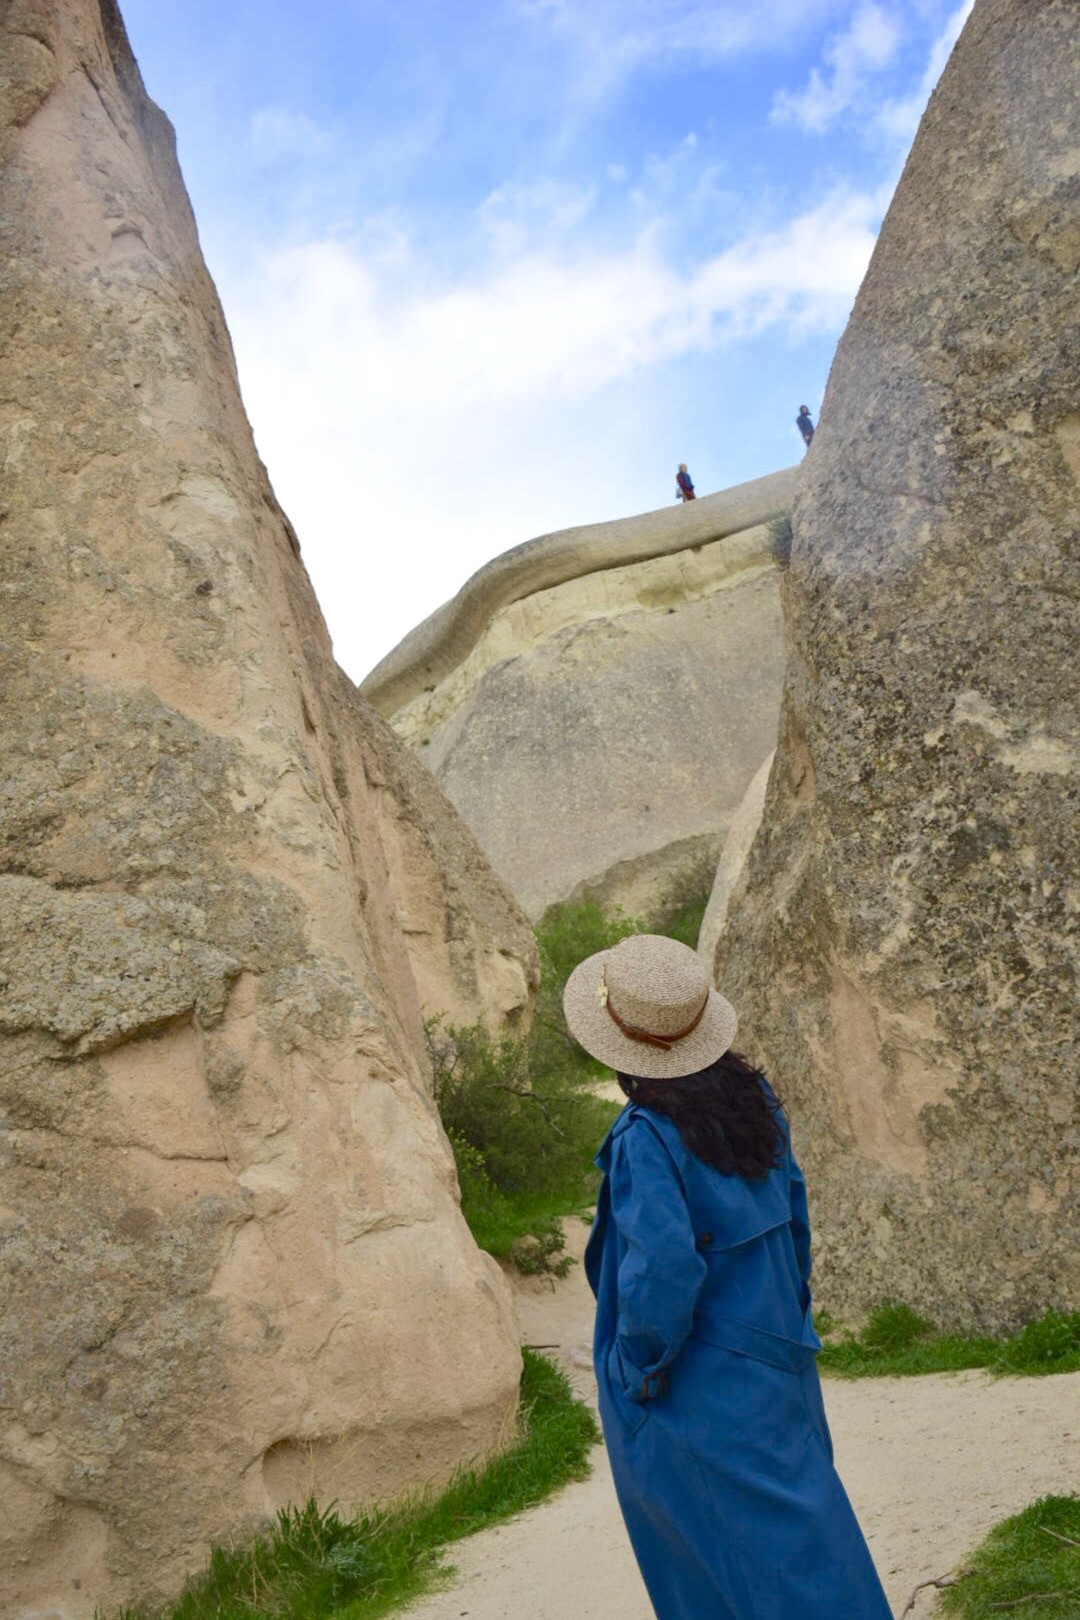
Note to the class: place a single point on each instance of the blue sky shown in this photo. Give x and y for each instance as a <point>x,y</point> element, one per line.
<point>496,268</point>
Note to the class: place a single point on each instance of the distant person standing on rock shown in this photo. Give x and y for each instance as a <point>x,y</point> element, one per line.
<point>683,486</point>
<point>804,424</point>
<point>704,1346</point>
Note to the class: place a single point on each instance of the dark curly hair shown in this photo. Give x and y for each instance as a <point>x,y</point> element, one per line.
<point>726,1115</point>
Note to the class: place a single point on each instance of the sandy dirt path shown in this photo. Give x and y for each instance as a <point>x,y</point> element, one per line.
<point>929,1463</point>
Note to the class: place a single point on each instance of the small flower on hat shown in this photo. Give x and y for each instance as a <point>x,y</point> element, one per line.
<point>601,992</point>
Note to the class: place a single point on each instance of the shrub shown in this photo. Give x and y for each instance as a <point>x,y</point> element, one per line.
<point>565,935</point>
<point>522,1113</point>
<point>531,1126</point>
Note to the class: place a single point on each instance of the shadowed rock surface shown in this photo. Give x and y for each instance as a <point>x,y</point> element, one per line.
<point>234,1266</point>
<point>601,731</point>
<point>902,948</point>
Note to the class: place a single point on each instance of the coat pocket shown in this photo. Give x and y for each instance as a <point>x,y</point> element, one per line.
<point>789,1355</point>
<point>631,1414</point>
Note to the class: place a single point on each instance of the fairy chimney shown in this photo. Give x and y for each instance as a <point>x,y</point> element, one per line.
<point>235,1270</point>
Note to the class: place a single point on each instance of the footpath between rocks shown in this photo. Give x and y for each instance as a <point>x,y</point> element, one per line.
<point>930,1463</point>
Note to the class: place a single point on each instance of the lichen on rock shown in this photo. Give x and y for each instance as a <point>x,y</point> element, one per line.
<point>902,944</point>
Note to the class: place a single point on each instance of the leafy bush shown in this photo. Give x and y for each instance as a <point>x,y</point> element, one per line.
<point>685,924</point>
<point>565,935</point>
<point>521,1229</point>
<point>522,1114</point>
<point>682,907</point>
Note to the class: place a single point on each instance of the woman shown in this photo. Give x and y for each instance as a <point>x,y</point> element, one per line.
<point>704,1348</point>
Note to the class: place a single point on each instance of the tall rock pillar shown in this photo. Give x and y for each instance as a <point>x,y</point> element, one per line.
<point>234,1270</point>
<point>903,942</point>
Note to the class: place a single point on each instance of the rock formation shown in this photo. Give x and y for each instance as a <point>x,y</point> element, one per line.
<point>595,702</point>
<point>234,1267</point>
<point>738,842</point>
<point>903,944</point>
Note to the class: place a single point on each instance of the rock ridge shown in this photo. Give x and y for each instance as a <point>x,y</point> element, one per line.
<point>431,652</point>
<point>601,731</point>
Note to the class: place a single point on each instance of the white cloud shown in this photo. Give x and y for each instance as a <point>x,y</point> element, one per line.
<point>396,415</point>
<point>540,326</point>
<point>866,47</point>
<point>900,119</point>
<point>282,132</point>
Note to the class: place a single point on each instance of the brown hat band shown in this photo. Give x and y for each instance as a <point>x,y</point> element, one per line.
<point>665,1042</point>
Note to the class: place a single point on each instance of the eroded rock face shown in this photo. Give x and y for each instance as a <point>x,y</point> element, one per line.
<point>902,949</point>
<point>601,732</point>
<point>234,1266</point>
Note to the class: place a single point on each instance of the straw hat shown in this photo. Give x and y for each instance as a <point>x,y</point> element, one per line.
<point>646,1008</point>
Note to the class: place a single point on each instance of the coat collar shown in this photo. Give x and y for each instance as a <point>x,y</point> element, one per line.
<point>633,1111</point>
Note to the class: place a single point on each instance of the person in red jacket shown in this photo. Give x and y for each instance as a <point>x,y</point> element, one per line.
<point>683,486</point>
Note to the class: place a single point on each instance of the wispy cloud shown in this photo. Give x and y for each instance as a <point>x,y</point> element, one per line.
<point>606,42</point>
<point>866,46</point>
<point>516,213</point>
<point>900,118</point>
<point>642,31</point>
<point>282,132</point>
<point>543,325</point>
<point>503,276</point>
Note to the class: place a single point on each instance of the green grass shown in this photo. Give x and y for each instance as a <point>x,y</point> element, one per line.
<point>523,1227</point>
<point>1028,1565</point>
<point>317,1564</point>
<point>897,1341</point>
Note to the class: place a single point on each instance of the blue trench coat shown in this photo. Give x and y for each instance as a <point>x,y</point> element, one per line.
<point>709,1393</point>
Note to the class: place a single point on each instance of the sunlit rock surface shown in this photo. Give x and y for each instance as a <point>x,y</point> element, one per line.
<point>903,946</point>
<point>608,712</point>
<point>234,1268</point>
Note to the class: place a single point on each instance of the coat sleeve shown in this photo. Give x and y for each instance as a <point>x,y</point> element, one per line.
<point>660,1270</point>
